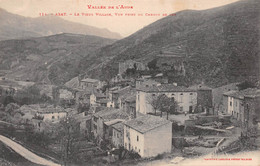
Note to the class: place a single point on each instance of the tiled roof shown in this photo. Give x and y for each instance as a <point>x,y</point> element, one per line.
<point>103,101</point>
<point>89,80</point>
<point>131,98</point>
<point>108,114</point>
<point>119,126</point>
<point>253,94</point>
<point>229,92</point>
<point>125,90</point>
<point>200,87</point>
<point>165,88</point>
<point>250,92</point>
<point>146,123</point>
<point>50,109</point>
<point>127,94</point>
<point>97,94</point>
<point>114,121</point>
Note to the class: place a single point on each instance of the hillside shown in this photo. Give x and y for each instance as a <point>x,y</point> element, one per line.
<point>221,45</point>
<point>53,59</point>
<point>13,26</point>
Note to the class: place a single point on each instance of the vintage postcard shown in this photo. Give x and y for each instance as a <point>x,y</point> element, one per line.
<point>130,82</point>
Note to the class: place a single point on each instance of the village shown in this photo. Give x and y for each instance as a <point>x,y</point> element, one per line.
<point>139,114</point>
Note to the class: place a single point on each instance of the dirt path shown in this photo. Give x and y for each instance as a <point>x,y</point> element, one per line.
<point>26,153</point>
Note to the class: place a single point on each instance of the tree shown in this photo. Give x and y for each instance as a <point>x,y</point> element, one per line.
<point>68,135</point>
<point>169,105</point>
<point>152,64</point>
<point>155,102</point>
<point>83,107</point>
<point>163,104</point>
<point>8,100</point>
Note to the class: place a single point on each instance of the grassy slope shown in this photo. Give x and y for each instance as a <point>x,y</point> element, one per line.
<point>52,59</point>
<point>221,45</point>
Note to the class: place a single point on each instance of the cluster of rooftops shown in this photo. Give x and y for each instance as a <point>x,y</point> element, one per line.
<point>144,123</point>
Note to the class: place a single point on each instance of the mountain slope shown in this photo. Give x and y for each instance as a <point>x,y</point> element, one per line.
<point>53,59</point>
<point>221,45</point>
<point>14,27</point>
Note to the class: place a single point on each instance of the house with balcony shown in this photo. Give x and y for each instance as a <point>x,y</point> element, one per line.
<point>148,135</point>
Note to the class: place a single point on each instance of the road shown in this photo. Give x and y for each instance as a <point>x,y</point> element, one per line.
<point>26,153</point>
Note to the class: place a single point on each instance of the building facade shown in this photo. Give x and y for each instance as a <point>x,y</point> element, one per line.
<point>186,98</point>
<point>148,136</point>
<point>90,83</point>
<point>251,118</point>
<point>118,135</point>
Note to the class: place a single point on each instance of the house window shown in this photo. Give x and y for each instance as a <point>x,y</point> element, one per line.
<point>153,94</point>
<point>181,99</point>
<point>190,98</point>
<point>53,117</point>
<point>139,150</point>
<point>137,138</point>
<point>231,103</point>
<point>191,93</point>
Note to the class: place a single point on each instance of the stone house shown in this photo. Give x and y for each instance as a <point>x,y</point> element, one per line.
<point>185,97</point>
<point>95,97</point>
<point>234,102</point>
<point>116,97</point>
<point>148,136</point>
<point>83,96</point>
<point>128,104</point>
<point>118,135</point>
<point>251,114</point>
<point>90,83</point>
<point>52,114</point>
<point>103,120</point>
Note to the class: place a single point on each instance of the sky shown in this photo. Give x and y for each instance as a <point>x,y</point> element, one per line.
<point>125,24</point>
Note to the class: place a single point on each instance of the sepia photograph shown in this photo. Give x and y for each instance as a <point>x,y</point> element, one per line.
<point>130,82</point>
